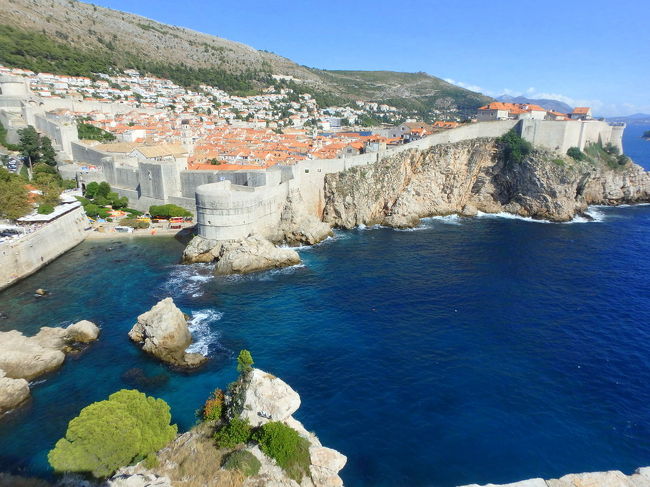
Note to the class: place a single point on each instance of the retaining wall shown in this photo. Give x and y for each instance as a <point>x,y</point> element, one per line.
<point>25,256</point>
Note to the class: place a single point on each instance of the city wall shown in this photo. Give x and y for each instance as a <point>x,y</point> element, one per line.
<point>28,254</point>
<point>229,210</point>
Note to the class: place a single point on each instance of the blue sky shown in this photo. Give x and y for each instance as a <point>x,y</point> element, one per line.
<point>584,52</point>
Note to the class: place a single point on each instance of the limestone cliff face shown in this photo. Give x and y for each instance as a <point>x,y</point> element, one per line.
<point>472,176</point>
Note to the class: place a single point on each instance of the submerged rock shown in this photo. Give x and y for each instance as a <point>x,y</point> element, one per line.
<point>163,332</point>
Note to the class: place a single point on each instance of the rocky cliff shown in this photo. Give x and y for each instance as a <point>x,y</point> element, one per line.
<point>474,175</point>
<point>192,459</point>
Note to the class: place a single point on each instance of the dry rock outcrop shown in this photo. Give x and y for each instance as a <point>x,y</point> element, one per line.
<point>163,332</point>
<point>267,398</point>
<point>471,176</point>
<point>612,478</point>
<point>192,459</point>
<point>298,226</point>
<point>252,254</point>
<point>25,358</point>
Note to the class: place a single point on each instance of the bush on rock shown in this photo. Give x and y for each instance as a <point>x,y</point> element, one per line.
<point>236,432</point>
<point>243,461</point>
<point>110,434</point>
<point>286,447</point>
<point>213,407</point>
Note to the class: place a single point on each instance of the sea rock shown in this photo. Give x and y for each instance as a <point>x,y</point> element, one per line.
<point>13,392</point>
<point>199,250</point>
<point>471,176</point>
<point>325,466</point>
<point>252,254</point>
<point>40,292</point>
<point>267,398</point>
<point>83,331</point>
<point>24,357</point>
<point>163,332</point>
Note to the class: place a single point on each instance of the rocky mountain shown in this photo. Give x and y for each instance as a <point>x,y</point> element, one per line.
<point>554,105</point>
<point>71,37</point>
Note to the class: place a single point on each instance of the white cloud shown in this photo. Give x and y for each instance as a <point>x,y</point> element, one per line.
<point>599,107</point>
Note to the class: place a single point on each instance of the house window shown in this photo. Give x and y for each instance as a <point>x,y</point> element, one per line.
<point>306,171</point>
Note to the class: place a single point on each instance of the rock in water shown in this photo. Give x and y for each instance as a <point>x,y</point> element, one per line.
<point>252,254</point>
<point>83,331</point>
<point>13,392</point>
<point>25,358</point>
<point>267,398</point>
<point>162,331</point>
<point>199,250</point>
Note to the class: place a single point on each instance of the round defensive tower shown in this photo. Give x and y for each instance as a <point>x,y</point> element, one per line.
<point>13,87</point>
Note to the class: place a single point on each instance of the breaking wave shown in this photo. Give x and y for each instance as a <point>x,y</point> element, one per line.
<point>204,338</point>
<point>188,280</point>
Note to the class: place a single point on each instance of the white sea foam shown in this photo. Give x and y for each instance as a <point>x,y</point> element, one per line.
<point>510,216</point>
<point>204,337</point>
<point>188,280</point>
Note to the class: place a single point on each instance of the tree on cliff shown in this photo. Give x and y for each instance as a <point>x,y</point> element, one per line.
<point>244,362</point>
<point>109,434</point>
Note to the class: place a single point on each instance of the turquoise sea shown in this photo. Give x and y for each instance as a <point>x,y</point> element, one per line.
<point>479,350</point>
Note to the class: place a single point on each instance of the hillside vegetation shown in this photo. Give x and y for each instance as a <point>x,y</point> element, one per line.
<point>71,37</point>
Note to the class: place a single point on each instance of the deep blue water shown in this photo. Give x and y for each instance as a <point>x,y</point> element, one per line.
<point>635,146</point>
<point>469,350</point>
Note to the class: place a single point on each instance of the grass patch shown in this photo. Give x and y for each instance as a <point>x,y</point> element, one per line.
<point>242,461</point>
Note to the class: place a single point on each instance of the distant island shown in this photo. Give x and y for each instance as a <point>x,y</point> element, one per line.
<point>646,135</point>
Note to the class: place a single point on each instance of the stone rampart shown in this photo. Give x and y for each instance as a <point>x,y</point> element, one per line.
<point>24,256</point>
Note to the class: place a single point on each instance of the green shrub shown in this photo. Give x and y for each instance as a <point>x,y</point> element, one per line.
<point>622,159</point>
<point>213,407</point>
<point>576,154</point>
<point>237,431</point>
<point>515,149</point>
<point>611,149</point>
<point>243,461</point>
<point>110,434</point>
<point>286,447</point>
<point>150,461</point>
<point>133,212</point>
<point>244,362</point>
<point>168,211</point>
<point>45,209</point>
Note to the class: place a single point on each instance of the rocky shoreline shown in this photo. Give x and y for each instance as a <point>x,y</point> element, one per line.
<point>23,359</point>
